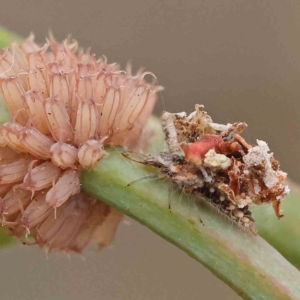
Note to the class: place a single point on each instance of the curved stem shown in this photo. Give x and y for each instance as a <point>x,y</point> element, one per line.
<point>247,263</point>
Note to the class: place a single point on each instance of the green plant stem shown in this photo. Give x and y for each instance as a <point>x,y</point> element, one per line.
<point>246,263</point>
<point>283,234</point>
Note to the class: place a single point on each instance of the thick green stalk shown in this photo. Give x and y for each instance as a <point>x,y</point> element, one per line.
<point>283,234</point>
<point>247,263</point>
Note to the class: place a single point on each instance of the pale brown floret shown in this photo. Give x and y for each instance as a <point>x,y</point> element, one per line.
<point>76,223</point>
<point>37,72</point>
<point>104,234</point>
<point>58,120</point>
<point>36,143</point>
<point>36,212</point>
<point>15,200</point>
<point>11,133</point>
<point>6,58</point>
<point>60,229</point>
<point>86,122</point>
<point>62,81</point>
<point>85,83</point>
<point>41,176</point>
<point>124,97</point>
<point>14,171</point>
<point>63,155</point>
<point>99,213</point>
<point>108,112</point>
<point>91,152</point>
<point>66,186</point>
<point>102,82</point>
<point>12,92</point>
<point>34,103</point>
<point>135,105</point>
<point>5,188</point>
<point>8,156</point>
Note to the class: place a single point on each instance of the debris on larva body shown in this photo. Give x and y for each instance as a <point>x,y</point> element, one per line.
<point>239,214</point>
<point>65,106</point>
<point>217,164</point>
<point>167,122</point>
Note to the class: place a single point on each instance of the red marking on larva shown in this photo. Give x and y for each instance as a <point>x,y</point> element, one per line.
<point>195,152</point>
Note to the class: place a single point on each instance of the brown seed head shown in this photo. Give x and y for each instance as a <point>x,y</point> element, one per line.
<point>65,106</point>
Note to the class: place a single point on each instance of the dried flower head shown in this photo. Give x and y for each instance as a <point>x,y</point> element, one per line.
<point>213,160</point>
<point>65,107</point>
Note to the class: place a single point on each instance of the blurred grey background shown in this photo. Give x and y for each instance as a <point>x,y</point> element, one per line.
<point>239,58</point>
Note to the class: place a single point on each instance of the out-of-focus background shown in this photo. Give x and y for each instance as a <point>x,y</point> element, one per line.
<point>239,58</point>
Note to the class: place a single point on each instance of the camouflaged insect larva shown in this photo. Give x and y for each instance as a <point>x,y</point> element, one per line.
<point>214,162</point>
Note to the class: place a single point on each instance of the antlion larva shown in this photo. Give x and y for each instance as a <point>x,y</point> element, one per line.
<point>213,161</point>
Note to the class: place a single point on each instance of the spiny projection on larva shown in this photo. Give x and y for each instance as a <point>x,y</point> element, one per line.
<point>65,106</point>
<point>215,162</point>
